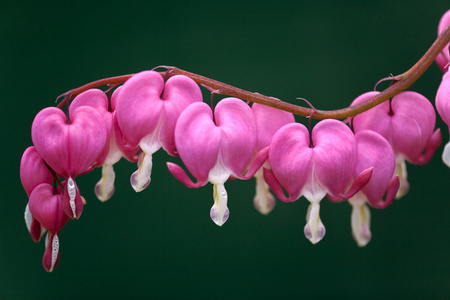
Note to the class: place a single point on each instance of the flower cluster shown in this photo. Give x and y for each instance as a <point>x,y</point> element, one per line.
<point>361,160</point>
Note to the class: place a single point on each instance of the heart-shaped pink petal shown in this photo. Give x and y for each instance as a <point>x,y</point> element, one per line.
<point>290,158</point>
<point>69,149</point>
<point>142,111</point>
<point>96,99</point>
<point>196,124</point>
<point>46,207</point>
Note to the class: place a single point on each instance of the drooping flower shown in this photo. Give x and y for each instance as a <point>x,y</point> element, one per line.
<point>375,152</point>
<point>70,146</point>
<point>112,151</point>
<point>268,121</point>
<point>147,111</point>
<point>47,207</point>
<point>407,122</point>
<point>33,172</point>
<point>443,59</point>
<point>313,166</point>
<point>213,147</point>
<point>443,108</point>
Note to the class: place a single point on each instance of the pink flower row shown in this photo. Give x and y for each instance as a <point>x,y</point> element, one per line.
<point>362,161</point>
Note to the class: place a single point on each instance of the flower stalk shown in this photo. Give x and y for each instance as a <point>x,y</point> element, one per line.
<point>402,82</point>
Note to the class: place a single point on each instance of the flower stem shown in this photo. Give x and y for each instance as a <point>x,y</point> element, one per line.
<point>402,82</point>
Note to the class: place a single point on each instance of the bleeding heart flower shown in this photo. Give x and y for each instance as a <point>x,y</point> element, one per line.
<point>223,145</point>
<point>46,206</point>
<point>33,172</point>
<point>268,121</point>
<point>69,147</point>
<point>443,108</point>
<point>314,166</point>
<point>443,59</point>
<point>147,111</point>
<point>113,150</point>
<point>407,122</point>
<point>374,152</point>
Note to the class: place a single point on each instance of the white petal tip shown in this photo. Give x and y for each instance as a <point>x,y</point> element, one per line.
<point>446,155</point>
<point>219,217</point>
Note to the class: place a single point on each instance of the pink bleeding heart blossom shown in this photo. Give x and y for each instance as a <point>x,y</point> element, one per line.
<point>407,122</point>
<point>313,166</point>
<point>70,147</point>
<point>375,152</point>
<point>268,121</point>
<point>147,111</point>
<point>33,172</point>
<point>214,147</point>
<point>443,59</point>
<point>112,151</point>
<point>47,207</point>
<point>443,108</point>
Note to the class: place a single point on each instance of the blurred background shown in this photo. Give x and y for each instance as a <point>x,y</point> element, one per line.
<point>161,243</point>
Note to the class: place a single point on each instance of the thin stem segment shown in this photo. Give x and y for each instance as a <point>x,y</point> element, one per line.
<point>402,82</point>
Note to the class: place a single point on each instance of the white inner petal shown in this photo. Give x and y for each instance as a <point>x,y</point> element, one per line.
<point>55,251</point>
<point>400,170</point>
<point>314,229</point>
<point>141,178</point>
<point>446,155</point>
<point>72,191</point>
<point>263,201</point>
<point>313,190</point>
<point>28,218</point>
<point>219,173</point>
<point>105,187</point>
<point>219,211</point>
<point>360,221</point>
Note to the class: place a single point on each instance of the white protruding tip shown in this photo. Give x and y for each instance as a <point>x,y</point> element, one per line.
<point>55,251</point>
<point>219,211</point>
<point>28,218</point>
<point>446,155</point>
<point>140,179</point>
<point>263,201</point>
<point>400,170</point>
<point>360,220</point>
<point>104,189</point>
<point>314,229</point>
<point>72,191</point>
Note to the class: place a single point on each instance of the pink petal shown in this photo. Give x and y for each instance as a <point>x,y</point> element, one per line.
<point>269,120</point>
<point>412,124</point>
<point>443,98</point>
<point>335,155</point>
<point>407,123</point>
<point>69,149</point>
<point>239,133</point>
<point>139,106</point>
<point>51,255</point>
<point>196,124</point>
<point>443,23</point>
<point>130,153</point>
<point>376,118</point>
<point>33,170</point>
<point>179,92</point>
<point>291,160</point>
<point>96,99</point>
<point>374,151</point>
<point>46,207</point>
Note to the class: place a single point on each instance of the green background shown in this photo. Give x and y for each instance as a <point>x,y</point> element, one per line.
<point>161,243</point>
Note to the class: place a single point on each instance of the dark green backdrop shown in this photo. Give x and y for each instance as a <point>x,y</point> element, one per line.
<point>161,243</point>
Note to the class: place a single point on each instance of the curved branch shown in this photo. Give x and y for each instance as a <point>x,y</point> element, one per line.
<point>404,81</point>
